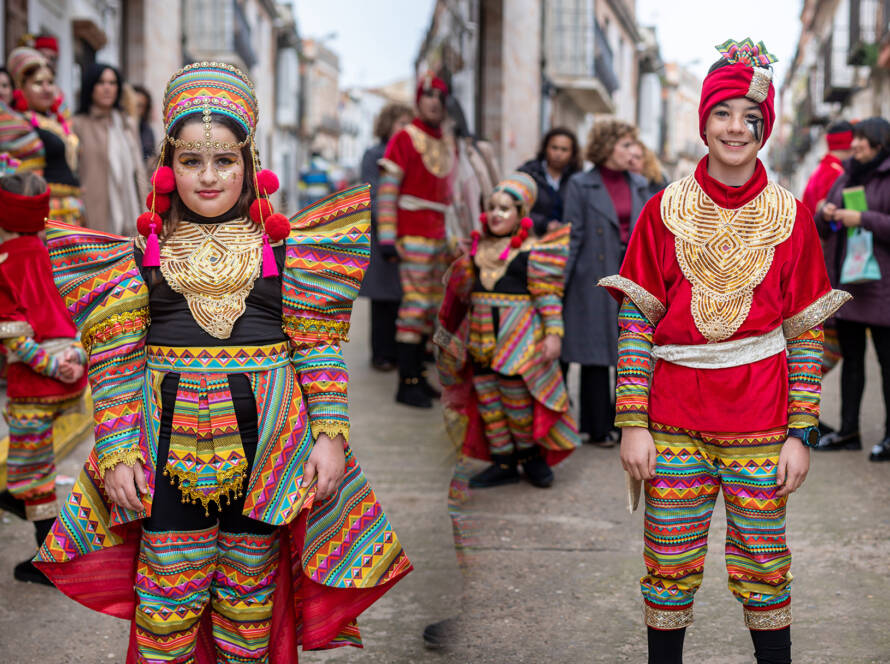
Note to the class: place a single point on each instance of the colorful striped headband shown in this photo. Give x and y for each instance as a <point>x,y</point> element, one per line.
<point>522,187</point>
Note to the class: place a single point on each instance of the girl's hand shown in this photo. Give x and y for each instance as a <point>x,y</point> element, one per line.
<point>124,484</point>
<point>328,461</point>
<point>551,347</point>
<point>638,453</point>
<point>794,464</point>
<point>828,211</point>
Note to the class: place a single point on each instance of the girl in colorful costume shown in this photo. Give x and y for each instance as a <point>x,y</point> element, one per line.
<point>45,375</point>
<point>221,509</point>
<point>37,132</point>
<point>499,344</point>
<point>723,292</point>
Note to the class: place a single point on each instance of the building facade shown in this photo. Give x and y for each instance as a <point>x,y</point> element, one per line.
<point>840,70</point>
<point>519,67</point>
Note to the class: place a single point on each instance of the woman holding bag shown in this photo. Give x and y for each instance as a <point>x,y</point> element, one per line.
<point>869,168</point>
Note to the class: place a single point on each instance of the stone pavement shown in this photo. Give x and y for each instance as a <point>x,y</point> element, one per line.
<point>548,575</point>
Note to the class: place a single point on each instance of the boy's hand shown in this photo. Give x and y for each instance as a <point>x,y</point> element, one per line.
<point>794,464</point>
<point>638,452</point>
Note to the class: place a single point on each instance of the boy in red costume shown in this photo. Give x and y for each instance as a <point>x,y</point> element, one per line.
<point>416,177</point>
<point>723,293</point>
<point>45,375</point>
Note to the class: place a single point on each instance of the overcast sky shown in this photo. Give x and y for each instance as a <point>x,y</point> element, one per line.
<point>377,40</point>
<point>688,30</point>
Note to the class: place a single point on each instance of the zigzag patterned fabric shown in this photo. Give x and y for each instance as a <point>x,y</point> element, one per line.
<point>19,140</point>
<point>31,468</point>
<point>327,254</point>
<point>344,543</point>
<point>634,367</point>
<point>691,469</point>
<point>424,262</point>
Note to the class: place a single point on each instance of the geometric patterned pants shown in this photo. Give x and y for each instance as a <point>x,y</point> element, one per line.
<point>691,469</point>
<point>31,469</point>
<point>507,411</point>
<point>421,267</point>
<point>180,573</point>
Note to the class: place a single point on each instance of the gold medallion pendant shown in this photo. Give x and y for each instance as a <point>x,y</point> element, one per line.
<point>725,253</point>
<point>214,266</point>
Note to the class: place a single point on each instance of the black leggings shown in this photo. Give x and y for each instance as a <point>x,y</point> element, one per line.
<point>383,330</point>
<point>851,337</point>
<point>168,512</point>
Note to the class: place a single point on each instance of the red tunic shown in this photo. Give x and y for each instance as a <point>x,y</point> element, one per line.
<point>28,295</point>
<point>427,161</point>
<point>750,397</point>
<point>828,170</point>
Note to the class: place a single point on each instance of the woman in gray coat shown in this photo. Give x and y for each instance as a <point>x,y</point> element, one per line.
<point>381,283</point>
<point>602,205</point>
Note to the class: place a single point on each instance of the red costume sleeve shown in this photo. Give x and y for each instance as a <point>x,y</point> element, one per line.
<point>13,322</point>
<point>641,276</point>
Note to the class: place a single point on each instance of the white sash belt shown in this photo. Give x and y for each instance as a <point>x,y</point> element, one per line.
<point>723,354</point>
<point>413,204</point>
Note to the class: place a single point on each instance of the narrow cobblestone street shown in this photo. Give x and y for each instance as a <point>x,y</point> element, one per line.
<point>549,575</point>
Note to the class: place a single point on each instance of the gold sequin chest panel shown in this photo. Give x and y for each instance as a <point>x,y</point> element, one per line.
<point>725,253</point>
<point>214,267</point>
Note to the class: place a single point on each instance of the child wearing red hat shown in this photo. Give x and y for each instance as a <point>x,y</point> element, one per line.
<point>723,292</point>
<point>45,373</point>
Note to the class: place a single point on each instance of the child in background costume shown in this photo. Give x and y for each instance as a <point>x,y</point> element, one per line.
<point>723,293</point>
<point>45,375</point>
<point>221,510</point>
<point>499,341</point>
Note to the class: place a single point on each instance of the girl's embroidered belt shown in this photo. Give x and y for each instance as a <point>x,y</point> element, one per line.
<point>218,359</point>
<point>500,299</point>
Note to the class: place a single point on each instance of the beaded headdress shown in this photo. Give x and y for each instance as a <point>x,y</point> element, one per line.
<point>208,89</point>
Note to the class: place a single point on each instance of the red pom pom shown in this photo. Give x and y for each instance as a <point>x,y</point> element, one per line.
<point>144,222</point>
<point>162,203</point>
<point>526,223</point>
<point>260,210</point>
<point>475,235</point>
<point>483,218</point>
<point>277,227</point>
<point>56,105</point>
<point>164,180</point>
<point>19,102</point>
<point>516,241</point>
<point>267,181</point>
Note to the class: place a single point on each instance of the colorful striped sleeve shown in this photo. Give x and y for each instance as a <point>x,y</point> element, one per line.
<point>30,352</point>
<point>323,378</point>
<point>805,378</point>
<point>634,369</point>
<point>546,276</point>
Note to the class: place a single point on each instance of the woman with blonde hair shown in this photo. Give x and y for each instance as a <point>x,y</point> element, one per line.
<point>602,205</point>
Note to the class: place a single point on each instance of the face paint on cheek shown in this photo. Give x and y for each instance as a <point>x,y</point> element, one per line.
<point>755,127</point>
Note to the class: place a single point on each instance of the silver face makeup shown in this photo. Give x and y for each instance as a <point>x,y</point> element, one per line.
<point>755,126</point>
